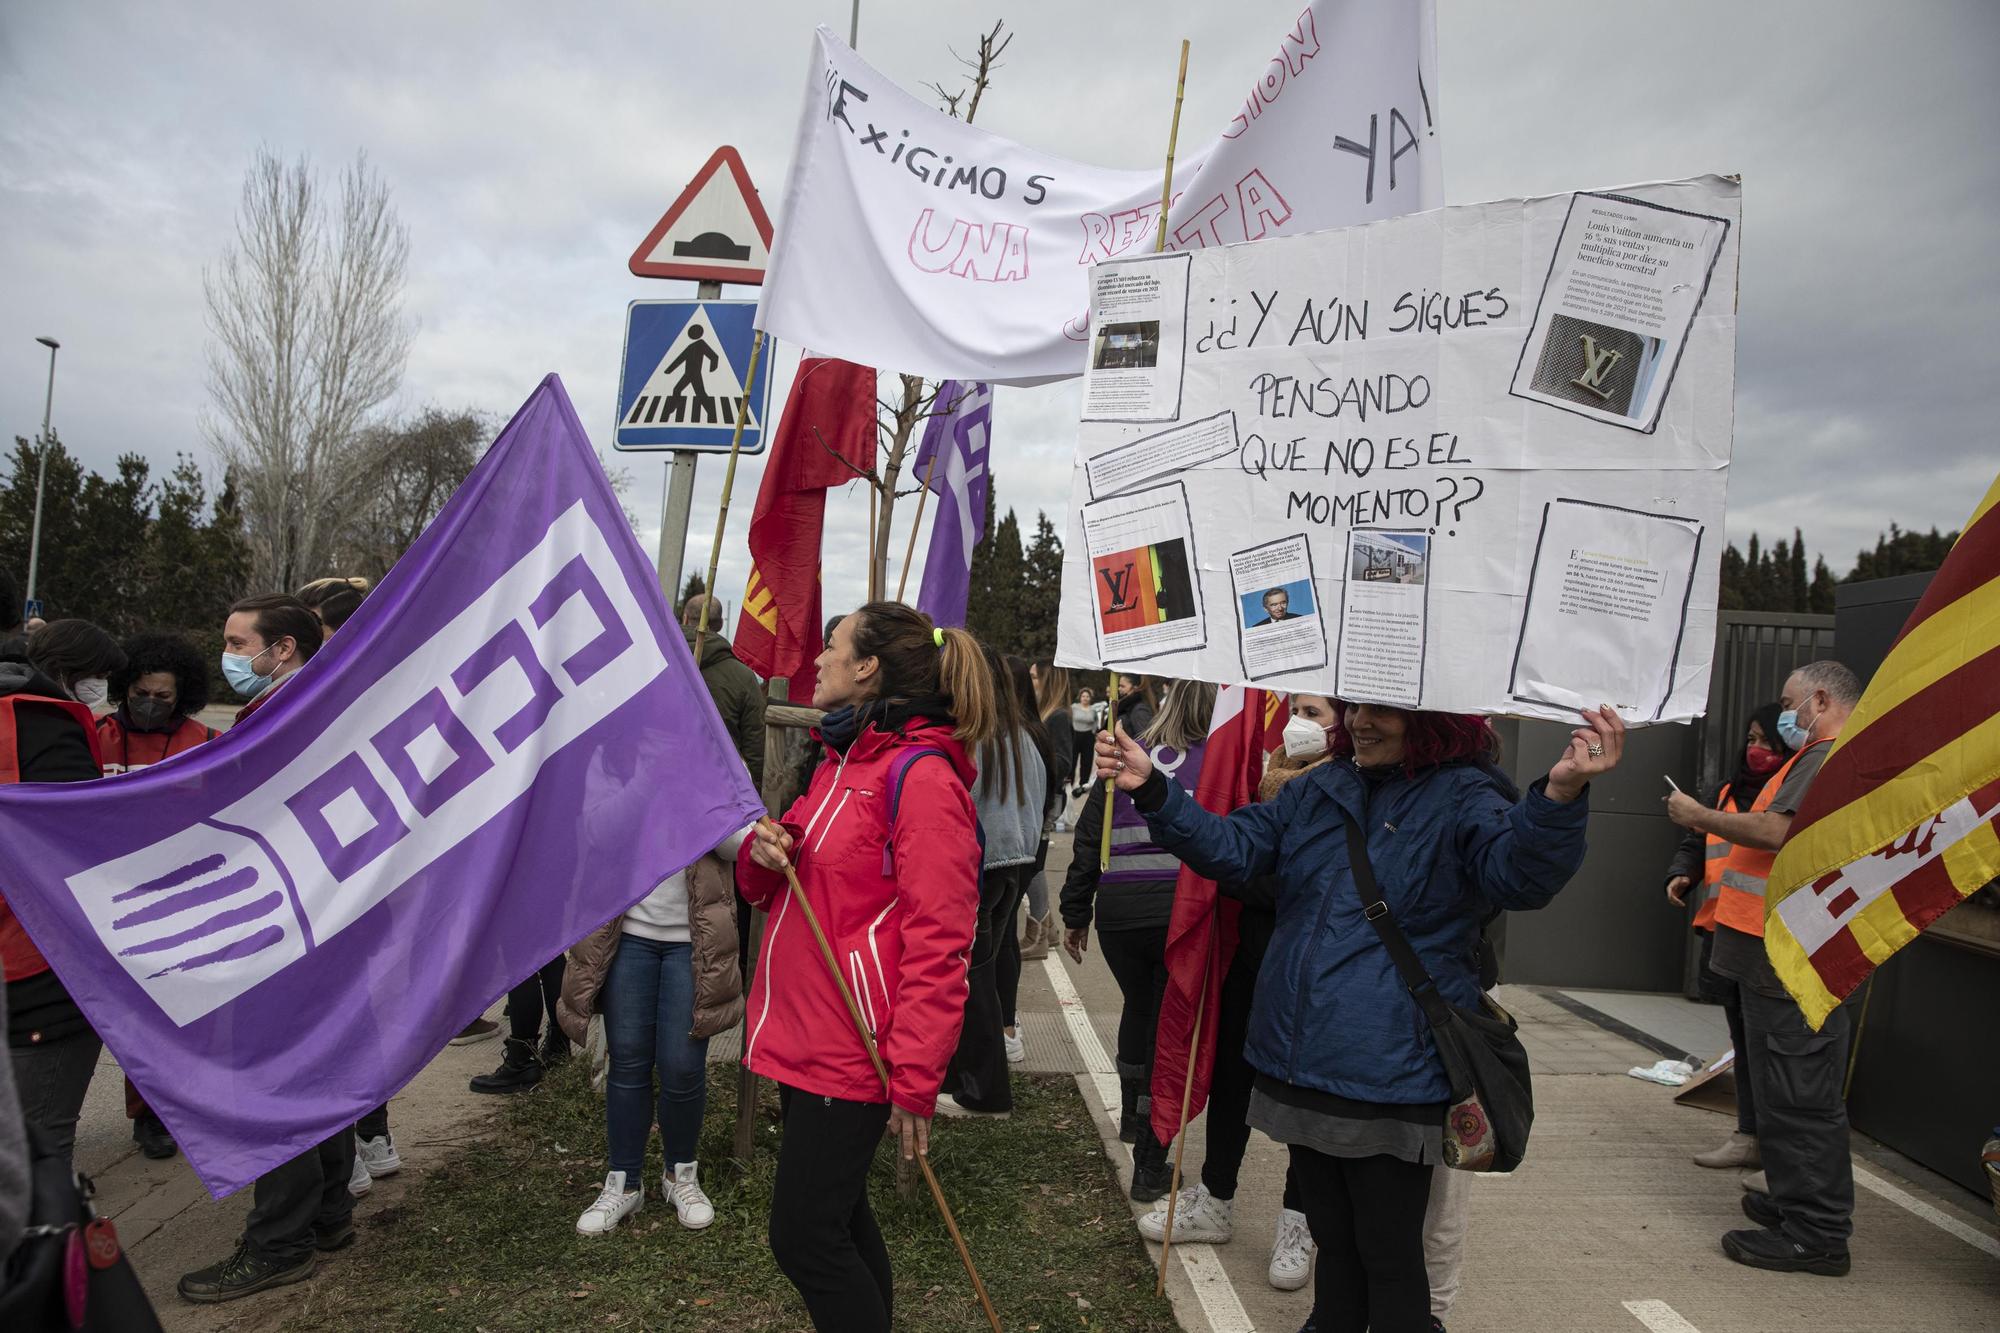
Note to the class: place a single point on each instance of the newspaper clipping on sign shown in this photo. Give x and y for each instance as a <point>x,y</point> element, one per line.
<point>1472,460</point>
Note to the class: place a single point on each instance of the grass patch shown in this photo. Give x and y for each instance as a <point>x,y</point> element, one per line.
<point>487,1240</point>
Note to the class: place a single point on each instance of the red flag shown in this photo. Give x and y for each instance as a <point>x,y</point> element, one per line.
<point>1201,935</point>
<point>825,438</point>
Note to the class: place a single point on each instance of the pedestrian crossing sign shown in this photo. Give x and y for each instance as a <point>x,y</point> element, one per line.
<point>681,384</point>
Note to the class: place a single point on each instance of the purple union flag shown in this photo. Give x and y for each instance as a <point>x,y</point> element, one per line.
<point>507,746</point>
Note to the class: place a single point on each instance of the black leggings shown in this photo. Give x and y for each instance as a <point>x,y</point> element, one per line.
<point>1229,1088</point>
<point>823,1234</point>
<point>1367,1216</point>
<point>528,1001</point>
<point>977,1074</point>
<point>1086,754</point>
<point>1138,962</point>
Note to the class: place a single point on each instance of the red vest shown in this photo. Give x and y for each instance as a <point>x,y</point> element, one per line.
<point>19,957</point>
<point>126,750</point>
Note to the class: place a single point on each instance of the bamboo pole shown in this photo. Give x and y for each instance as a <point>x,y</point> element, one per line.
<point>1159,244</point>
<point>874,576</point>
<point>916,524</point>
<point>1187,1094</point>
<point>882,1072</point>
<point>728,484</point>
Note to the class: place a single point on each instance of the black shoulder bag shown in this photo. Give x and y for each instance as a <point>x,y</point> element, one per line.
<point>1492,1104</point>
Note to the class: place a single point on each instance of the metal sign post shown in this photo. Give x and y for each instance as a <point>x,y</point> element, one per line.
<point>677,501</point>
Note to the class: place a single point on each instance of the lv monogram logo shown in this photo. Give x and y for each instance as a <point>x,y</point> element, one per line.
<point>1597,363</point>
<point>1115,581</point>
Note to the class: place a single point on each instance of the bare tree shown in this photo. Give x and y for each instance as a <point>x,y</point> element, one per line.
<point>402,476</point>
<point>307,339</point>
<point>899,417</point>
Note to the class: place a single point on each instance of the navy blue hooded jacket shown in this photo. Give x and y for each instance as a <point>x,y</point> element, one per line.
<point>1449,850</point>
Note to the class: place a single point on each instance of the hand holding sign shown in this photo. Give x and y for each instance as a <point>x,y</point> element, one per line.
<point>1123,760</point>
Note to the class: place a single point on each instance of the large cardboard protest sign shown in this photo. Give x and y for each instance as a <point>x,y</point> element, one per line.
<point>1471,460</point>
<point>916,242</point>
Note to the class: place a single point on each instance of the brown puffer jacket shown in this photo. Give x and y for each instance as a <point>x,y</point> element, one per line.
<point>718,969</point>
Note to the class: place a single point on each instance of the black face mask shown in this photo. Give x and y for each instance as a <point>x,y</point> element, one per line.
<point>148,713</point>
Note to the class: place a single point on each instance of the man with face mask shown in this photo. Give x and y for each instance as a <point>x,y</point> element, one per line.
<point>303,1208</point>
<point>1805,1217</point>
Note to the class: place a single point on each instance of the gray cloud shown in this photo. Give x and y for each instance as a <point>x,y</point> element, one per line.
<point>530,153</point>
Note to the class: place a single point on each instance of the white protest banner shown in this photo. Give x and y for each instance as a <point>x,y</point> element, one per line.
<point>915,242</point>
<point>1471,460</point>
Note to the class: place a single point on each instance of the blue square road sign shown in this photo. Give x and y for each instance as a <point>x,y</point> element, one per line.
<point>682,386</point>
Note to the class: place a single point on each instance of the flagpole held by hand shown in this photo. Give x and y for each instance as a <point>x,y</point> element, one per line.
<point>1159,244</point>
<point>882,1072</point>
<point>728,484</point>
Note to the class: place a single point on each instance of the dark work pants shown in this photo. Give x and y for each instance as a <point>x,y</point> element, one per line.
<point>1138,962</point>
<point>306,1195</point>
<point>1367,1216</point>
<point>538,994</point>
<point>1229,1087</point>
<point>823,1234</point>
<point>1724,991</point>
<point>1802,1119</point>
<point>977,1075</point>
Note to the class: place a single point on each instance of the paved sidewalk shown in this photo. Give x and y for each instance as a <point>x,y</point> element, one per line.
<point>1607,1227</point>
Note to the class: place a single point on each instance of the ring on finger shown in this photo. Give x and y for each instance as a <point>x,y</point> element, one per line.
<point>1594,751</point>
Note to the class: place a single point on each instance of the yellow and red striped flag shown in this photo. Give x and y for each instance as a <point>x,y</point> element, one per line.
<point>1902,822</point>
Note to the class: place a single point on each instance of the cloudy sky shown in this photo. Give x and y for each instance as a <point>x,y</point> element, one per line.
<point>529,150</point>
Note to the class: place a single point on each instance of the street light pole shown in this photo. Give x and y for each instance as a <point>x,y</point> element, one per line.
<point>41,469</point>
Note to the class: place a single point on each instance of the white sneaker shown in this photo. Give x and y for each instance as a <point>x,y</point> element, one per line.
<point>683,1190</point>
<point>949,1108</point>
<point>359,1182</point>
<point>378,1155</point>
<point>614,1204</point>
<point>1291,1252</point>
<point>1017,1050</point>
<point>1199,1218</point>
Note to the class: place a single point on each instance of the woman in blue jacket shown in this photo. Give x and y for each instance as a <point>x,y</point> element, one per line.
<point>1347,1073</point>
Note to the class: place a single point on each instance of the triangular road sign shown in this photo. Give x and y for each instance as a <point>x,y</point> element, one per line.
<point>717,231</point>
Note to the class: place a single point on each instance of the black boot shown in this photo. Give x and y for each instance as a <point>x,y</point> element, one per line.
<point>1152,1173</point>
<point>1129,1119</point>
<point>520,1069</point>
<point>555,1047</point>
<point>152,1137</point>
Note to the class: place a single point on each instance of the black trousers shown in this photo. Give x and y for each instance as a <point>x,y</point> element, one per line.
<point>977,1075</point>
<point>1138,962</point>
<point>1712,985</point>
<point>306,1195</point>
<point>1801,1117</point>
<point>374,1125</point>
<point>527,1002</point>
<point>1008,968</point>
<point>1086,754</point>
<point>823,1234</point>
<point>1229,1087</point>
<point>1367,1216</point>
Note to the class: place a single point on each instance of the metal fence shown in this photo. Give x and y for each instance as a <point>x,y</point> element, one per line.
<point>1754,652</point>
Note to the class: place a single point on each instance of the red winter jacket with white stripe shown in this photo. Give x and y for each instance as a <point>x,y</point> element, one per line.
<point>899,911</point>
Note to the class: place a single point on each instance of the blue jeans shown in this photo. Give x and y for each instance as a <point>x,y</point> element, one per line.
<point>648,1010</point>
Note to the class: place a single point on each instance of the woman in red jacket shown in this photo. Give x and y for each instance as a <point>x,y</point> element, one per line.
<point>886,848</point>
<point>163,684</point>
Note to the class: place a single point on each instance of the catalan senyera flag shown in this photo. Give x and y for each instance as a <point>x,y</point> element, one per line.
<point>825,438</point>
<point>1201,934</point>
<point>1902,822</point>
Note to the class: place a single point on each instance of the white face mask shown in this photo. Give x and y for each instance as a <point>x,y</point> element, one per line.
<point>1304,739</point>
<point>93,692</point>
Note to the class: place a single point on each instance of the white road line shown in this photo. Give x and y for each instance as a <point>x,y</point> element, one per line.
<point>1938,1218</point>
<point>1659,1317</point>
<point>1220,1304</point>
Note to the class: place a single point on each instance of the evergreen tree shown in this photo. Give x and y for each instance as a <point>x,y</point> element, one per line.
<point>1799,592</point>
<point>694,587</point>
<point>1819,598</point>
<point>1902,552</point>
<point>1041,591</point>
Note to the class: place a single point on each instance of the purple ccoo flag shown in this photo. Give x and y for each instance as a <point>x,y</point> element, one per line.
<point>963,429</point>
<point>505,747</point>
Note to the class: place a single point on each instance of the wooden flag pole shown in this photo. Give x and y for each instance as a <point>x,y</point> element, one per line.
<point>1159,244</point>
<point>728,484</point>
<point>1187,1093</point>
<point>882,1072</point>
<point>916,524</point>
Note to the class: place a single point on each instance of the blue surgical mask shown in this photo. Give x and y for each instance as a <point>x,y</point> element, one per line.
<point>241,673</point>
<point>1789,730</point>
